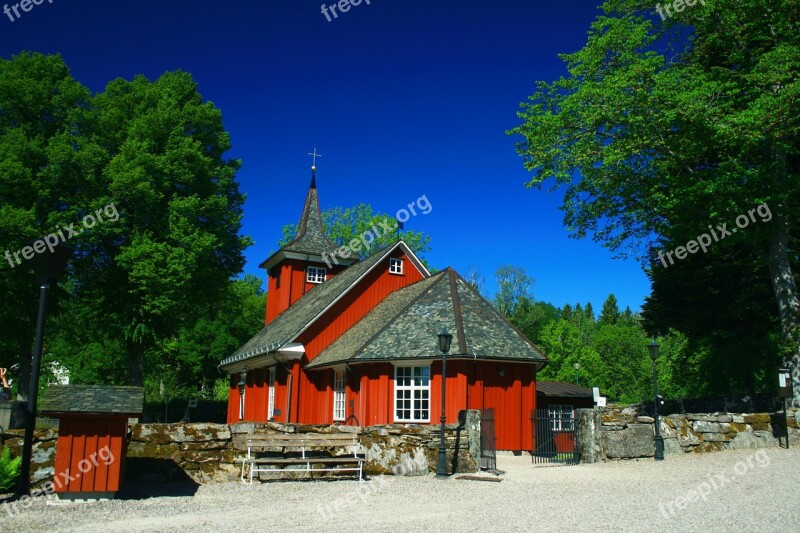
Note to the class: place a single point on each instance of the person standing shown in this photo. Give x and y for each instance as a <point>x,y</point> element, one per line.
<point>5,390</point>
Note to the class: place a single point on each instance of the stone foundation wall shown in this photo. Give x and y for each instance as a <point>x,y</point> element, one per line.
<point>624,434</point>
<point>205,453</point>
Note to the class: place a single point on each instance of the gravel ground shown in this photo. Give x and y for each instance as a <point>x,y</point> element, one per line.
<point>727,491</point>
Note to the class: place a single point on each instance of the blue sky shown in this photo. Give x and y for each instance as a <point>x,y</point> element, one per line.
<point>402,99</point>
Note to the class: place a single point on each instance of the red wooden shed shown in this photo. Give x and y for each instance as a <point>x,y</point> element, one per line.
<point>92,437</point>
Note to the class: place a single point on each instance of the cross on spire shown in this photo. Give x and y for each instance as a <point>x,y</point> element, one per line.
<point>315,155</point>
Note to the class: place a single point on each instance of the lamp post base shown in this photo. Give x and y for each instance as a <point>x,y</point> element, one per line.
<point>659,448</point>
<point>441,467</point>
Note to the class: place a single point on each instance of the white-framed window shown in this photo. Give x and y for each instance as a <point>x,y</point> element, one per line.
<point>562,417</point>
<point>339,394</point>
<point>316,275</point>
<point>395,266</point>
<point>271,393</point>
<point>412,394</point>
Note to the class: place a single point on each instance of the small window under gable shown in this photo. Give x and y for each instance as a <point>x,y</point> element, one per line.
<point>316,275</point>
<point>395,266</point>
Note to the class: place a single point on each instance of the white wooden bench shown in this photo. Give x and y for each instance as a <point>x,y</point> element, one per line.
<point>316,453</point>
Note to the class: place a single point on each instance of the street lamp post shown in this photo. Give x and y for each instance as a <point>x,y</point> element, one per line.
<point>444,347</point>
<point>659,452</point>
<point>577,374</point>
<point>241,386</point>
<point>48,266</point>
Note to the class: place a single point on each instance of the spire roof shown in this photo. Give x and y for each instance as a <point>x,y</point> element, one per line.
<point>310,238</point>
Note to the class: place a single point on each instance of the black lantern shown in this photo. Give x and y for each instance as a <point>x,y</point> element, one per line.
<point>653,349</point>
<point>444,341</point>
<point>48,267</point>
<point>444,346</point>
<point>659,440</point>
<point>242,381</point>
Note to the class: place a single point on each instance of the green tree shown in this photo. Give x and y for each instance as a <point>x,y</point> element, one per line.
<point>610,312</point>
<point>664,129</point>
<point>342,225</point>
<point>38,99</point>
<point>513,285</point>
<point>149,156</point>
<point>562,342</point>
<point>531,318</point>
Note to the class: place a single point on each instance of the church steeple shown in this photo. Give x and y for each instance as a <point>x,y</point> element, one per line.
<point>310,237</point>
<point>301,264</point>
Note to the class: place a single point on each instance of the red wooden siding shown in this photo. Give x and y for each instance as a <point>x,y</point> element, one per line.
<point>293,285</point>
<point>79,438</point>
<point>307,396</point>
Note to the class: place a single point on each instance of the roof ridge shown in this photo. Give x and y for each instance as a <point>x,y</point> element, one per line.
<point>457,311</point>
<point>498,313</point>
<point>338,284</point>
<point>401,311</point>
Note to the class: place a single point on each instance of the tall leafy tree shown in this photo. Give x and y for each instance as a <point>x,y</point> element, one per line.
<point>513,286</point>
<point>148,159</point>
<point>342,225</point>
<point>662,129</point>
<point>38,103</point>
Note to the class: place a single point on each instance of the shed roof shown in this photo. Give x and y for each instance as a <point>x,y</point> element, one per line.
<point>96,399</point>
<point>562,390</point>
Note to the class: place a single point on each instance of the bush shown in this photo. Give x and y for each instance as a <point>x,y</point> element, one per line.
<point>9,470</point>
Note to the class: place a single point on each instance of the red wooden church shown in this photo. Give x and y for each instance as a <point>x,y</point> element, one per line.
<point>357,344</point>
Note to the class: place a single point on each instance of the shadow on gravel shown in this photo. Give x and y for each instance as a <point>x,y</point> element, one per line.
<point>155,478</point>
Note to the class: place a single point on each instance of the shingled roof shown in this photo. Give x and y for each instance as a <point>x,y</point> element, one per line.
<point>286,327</point>
<point>93,399</point>
<point>562,389</point>
<point>404,326</point>
<point>310,238</point>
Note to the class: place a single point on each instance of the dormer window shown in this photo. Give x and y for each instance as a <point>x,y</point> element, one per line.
<point>316,275</point>
<point>395,266</point>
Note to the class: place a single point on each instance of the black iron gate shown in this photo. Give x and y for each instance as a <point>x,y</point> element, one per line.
<point>555,439</point>
<point>488,451</point>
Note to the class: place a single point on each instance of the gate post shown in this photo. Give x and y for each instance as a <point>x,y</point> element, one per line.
<point>472,423</point>
<point>588,434</point>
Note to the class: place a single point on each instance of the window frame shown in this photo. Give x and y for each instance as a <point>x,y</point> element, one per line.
<point>562,417</point>
<point>271,393</point>
<point>339,394</point>
<point>315,278</point>
<point>424,396</point>
<point>394,262</point>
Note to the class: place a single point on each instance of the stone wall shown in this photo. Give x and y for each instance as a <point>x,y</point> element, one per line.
<point>624,434</point>
<point>205,453</point>
<point>213,452</point>
<point>43,452</point>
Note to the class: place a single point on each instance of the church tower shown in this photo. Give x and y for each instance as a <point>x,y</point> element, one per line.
<point>300,265</point>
